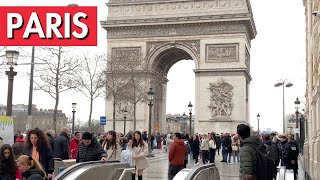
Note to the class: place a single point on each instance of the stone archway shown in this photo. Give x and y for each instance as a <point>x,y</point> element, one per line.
<point>215,34</point>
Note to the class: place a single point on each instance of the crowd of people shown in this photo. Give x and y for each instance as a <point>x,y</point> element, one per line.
<point>32,157</point>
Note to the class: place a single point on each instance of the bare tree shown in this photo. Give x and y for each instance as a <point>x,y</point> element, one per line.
<point>116,81</point>
<point>134,91</point>
<point>90,79</point>
<point>57,73</point>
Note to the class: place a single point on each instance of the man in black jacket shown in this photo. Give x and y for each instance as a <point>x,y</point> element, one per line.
<point>61,145</point>
<point>291,155</point>
<point>90,150</point>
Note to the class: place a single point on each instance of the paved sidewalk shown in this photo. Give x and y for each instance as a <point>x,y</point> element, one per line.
<point>159,167</point>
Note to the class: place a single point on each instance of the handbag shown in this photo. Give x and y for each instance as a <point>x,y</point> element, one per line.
<point>235,148</point>
<point>127,157</point>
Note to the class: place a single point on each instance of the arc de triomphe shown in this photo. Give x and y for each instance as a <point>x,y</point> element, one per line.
<point>152,35</point>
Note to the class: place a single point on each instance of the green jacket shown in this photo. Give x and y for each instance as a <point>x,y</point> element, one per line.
<point>248,156</point>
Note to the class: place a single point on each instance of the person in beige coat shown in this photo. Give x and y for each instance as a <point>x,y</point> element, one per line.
<point>140,151</point>
<point>112,147</point>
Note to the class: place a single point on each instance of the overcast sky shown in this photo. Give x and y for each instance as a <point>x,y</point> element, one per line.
<point>278,52</point>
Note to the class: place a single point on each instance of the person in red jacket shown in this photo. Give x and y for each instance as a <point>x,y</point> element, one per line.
<point>74,144</point>
<point>177,153</point>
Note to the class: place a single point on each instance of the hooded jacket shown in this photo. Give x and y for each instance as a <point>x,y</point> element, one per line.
<point>61,146</point>
<point>248,156</point>
<point>177,152</point>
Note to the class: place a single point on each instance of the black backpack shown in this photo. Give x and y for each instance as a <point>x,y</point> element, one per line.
<point>265,167</point>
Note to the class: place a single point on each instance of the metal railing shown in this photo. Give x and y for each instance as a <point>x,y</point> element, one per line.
<point>203,172</point>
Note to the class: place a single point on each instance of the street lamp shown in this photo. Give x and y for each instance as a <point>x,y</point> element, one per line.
<point>190,116</point>
<point>258,118</point>
<point>150,98</point>
<point>282,83</point>
<point>12,58</point>
<point>297,105</point>
<point>125,119</point>
<point>74,105</point>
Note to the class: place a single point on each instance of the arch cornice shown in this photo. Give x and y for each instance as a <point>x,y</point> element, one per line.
<point>155,49</point>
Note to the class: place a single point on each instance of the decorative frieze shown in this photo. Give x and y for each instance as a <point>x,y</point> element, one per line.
<point>131,8</point>
<point>198,29</point>
<point>127,54</point>
<point>222,52</point>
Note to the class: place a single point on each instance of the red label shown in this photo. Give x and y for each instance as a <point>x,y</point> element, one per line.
<point>48,26</point>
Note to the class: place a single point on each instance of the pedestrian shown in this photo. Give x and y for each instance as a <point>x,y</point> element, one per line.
<point>235,148</point>
<point>140,152</point>
<point>282,148</point>
<point>218,142</point>
<point>31,169</point>
<point>272,150</point>
<point>212,147</point>
<point>38,148</point>
<point>112,147</point>
<point>291,155</point>
<point>74,145</point>
<point>61,145</point>
<point>248,155</point>
<point>177,154</point>
<point>8,166</point>
<point>195,149</point>
<point>90,150</point>
<point>205,148</point>
<point>186,142</point>
<point>18,147</point>
<point>51,135</point>
<point>169,141</point>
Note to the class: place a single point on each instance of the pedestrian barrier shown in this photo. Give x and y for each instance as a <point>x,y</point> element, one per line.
<point>98,170</point>
<point>202,172</point>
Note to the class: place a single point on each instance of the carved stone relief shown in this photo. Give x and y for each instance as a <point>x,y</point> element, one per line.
<point>132,54</point>
<point>222,52</point>
<point>221,99</point>
<point>199,29</point>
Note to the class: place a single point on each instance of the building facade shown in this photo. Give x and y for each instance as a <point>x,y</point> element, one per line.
<point>311,151</point>
<point>43,118</point>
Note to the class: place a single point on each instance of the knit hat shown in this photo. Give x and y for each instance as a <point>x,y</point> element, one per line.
<point>87,136</point>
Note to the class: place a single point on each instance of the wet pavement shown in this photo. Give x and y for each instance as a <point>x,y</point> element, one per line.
<point>159,168</point>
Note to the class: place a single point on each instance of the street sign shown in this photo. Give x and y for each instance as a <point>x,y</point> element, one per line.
<point>103,120</point>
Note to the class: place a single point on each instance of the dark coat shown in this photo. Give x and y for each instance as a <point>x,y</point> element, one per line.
<point>291,154</point>
<point>45,155</point>
<point>248,156</point>
<point>195,146</point>
<point>17,148</point>
<point>61,146</point>
<point>7,176</point>
<point>32,174</point>
<point>226,144</point>
<point>51,142</point>
<point>92,152</point>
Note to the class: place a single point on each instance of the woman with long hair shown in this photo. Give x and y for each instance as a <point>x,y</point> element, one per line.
<point>195,147</point>
<point>212,147</point>
<point>8,166</point>
<point>30,168</point>
<point>37,146</point>
<point>140,151</point>
<point>112,147</point>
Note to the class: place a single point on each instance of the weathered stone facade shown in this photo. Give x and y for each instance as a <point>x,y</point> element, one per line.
<point>216,35</point>
<point>311,151</point>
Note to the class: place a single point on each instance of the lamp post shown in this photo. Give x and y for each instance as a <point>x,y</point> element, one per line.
<point>297,105</point>
<point>74,105</point>
<point>190,117</point>
<point>282,83</point>
<point>11,57</point>
<point>258,118</point>
<point>150,98</point>
<point>124,120</point>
